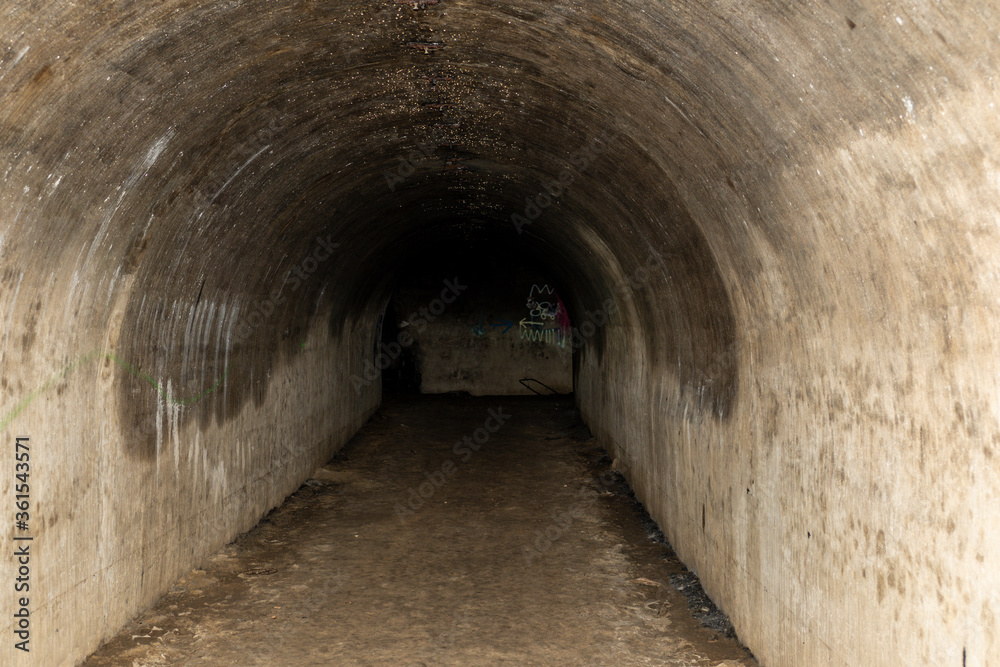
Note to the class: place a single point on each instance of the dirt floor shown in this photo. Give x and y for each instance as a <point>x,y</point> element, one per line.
<point>524,548</point>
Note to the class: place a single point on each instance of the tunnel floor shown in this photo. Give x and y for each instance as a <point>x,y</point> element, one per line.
<point>527,551</point>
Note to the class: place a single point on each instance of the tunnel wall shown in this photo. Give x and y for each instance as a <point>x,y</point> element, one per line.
<point>121,508</point>
<point>842,510</point>
<point>176,349</point>
<point>780,220</point>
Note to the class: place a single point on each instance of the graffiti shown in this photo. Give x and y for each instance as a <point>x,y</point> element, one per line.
<point>479,328</point>
<point>547,320</point>
<point>507,324</point>
<point>546,310</point>
<point>556,337</point>
<point>541,313</point>
<point>543,290</point>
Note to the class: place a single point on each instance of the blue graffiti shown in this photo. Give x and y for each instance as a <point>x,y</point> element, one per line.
<point>479,329</point>
<point>504,323</point>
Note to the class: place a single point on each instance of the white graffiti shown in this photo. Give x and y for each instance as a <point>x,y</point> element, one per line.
<point>546,310</point>
<point>543,290</point>
<point>556,337</point>
<point>547,320</point>
<point>537,327</point>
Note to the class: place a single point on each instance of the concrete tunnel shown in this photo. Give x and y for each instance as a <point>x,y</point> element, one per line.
<point>788,213</point>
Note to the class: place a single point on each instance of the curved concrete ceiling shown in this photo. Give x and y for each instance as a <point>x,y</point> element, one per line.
<point>792,207</point>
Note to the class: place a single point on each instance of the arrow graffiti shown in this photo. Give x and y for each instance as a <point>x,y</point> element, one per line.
<point>479,328</point>
<point>533,327</point>
<point>504,323</point>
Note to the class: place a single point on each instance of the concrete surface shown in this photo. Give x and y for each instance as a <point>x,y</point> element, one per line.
<point>780,217</point>
<point>526,551</point>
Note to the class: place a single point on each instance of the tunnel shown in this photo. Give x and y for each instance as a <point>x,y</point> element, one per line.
<point>773,227</point>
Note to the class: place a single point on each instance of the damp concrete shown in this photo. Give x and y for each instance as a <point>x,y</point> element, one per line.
<point>451,530</point>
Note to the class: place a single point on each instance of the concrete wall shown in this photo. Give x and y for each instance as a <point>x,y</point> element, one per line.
<point>780,221</point>
<point>157,433</point>
<point>837,498</point>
